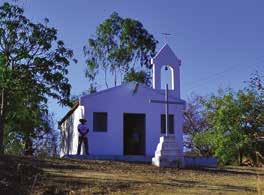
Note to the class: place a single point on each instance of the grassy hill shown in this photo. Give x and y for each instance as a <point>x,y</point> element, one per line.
<point>21,175</point>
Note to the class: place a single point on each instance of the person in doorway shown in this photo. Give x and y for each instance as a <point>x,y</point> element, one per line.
<point>83,136</point>
<point>135,140</point>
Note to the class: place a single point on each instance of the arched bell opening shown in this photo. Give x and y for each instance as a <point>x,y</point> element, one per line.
<point>167,77</point>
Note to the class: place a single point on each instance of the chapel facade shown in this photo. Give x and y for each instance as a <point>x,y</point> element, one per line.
<point>122,121</point>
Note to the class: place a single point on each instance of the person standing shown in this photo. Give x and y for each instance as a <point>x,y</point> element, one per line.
<point>83,136</point>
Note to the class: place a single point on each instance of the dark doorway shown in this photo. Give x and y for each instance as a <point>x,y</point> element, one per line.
<point>134,134</point>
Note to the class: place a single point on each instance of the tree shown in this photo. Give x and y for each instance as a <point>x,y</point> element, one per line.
<point>195,123</point>
<point>138,76</point>
<point>26,120</point>
<point>121,45</point>
<point>47,143</point>
<point>203,142</point>
<point>236,120</point>
<point>229,137</point>
<point>254,117</point>
<point>33,67</point>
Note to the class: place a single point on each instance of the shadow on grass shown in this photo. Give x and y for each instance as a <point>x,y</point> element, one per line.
<point>260,170</point>
<point>237,172</point>
<point>231,171</point>
<point>17,176</point>
<point>62,184</point>
<point>107,185</point>
<point>204,185</point>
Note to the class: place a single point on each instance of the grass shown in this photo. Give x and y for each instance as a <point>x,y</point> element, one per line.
<point>21,175</point>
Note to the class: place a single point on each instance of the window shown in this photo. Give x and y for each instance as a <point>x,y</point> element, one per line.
<point>100,121</point>
<point>163,123</point>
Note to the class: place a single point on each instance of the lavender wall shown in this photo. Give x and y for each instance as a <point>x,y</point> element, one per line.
<point>69,133</point>
<point>120,100</point>
<point>198,162</point>
<point>132,98</point>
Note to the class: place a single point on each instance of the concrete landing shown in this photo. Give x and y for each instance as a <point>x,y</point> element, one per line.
<point>129,158</point>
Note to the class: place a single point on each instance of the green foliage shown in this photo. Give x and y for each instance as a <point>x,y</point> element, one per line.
<point>138,76</point>
<point>13,143</point>
<point>229,136</point>
<point>92,89</point>
<point>119,45</point>
<point>32,50</point>
<point>33,67</point>
<point>203,142</point>
<point>235,121</point>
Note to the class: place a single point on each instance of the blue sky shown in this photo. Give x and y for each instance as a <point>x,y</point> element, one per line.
<point>219,42</point>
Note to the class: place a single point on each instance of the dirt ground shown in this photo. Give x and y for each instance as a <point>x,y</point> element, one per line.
<point>21,175</point>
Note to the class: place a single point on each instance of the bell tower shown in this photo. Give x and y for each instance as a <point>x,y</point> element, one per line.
<point>166,57</point>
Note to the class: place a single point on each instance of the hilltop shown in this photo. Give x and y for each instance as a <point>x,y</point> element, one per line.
<point>22,175</point>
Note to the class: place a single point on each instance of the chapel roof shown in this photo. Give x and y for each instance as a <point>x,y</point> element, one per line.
<point>165,56</point>
<point>75,106</point>
<point>133,85</point>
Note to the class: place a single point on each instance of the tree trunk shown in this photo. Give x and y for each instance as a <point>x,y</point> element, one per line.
<point>105,72</point>
<point>29,147</point>
<point>2,109</point>
<point>240,156</point>
<point>115,78</point>
<point>1,135</point>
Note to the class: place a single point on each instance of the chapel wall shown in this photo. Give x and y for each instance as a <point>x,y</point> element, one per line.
<point>69,134</point>
<point>120,101</point>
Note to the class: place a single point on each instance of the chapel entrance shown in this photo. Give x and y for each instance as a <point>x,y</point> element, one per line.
<point>134,134</point>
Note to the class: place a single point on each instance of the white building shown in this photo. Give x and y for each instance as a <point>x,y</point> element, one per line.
<point>122,121</point>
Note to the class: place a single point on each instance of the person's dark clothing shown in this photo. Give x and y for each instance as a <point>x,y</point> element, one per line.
<point>83,139</point>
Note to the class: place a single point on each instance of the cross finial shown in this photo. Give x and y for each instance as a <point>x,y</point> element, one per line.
<point>166,36</point>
